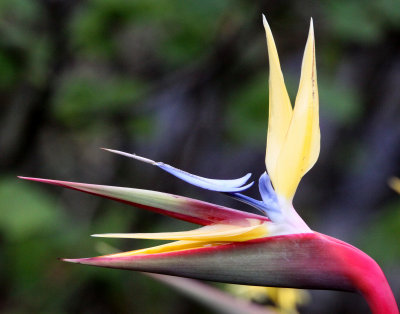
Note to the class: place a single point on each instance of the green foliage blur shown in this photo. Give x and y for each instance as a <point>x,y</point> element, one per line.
<point>184,82</point>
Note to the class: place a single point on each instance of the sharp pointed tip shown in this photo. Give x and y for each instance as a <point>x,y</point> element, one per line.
<point>29,178</point>
<point>113,151</point>
<point>110,235</point>
<point>91,261</point>
<point>134,156</point>
<point>71,260</point>
<point>311,37</point>
<point>110,150</point>
<point>311,27</point>
<point>84,261</point>
<point>41,180</point>
<point>265,23</point>
<point>264,18</point>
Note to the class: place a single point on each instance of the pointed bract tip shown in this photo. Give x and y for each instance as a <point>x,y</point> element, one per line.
<point>71,260</point>
<point>30,178</point>
<point>48,181</point>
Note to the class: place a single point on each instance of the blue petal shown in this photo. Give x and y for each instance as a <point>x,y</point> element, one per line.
<point>259,205</point>
<point>269,197</point>
<point>235,185</point>
<point>269,204</point>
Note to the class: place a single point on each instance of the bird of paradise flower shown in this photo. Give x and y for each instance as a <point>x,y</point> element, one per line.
<point>273,248</point>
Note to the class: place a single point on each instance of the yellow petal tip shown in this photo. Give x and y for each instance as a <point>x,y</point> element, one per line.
<point>311,31</point>
<point>265,22</point>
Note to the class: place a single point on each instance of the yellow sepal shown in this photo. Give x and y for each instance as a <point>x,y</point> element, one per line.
<point>300,149</point>
<point>212,233</point>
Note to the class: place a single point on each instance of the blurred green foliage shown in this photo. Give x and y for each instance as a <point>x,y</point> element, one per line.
<point>340,102</point>
<point>23,51</point>
<point>78,99</point>
<point>20,222</point>
<point>185,28</point>
<point>247,115</point>
<point>363,21</point>
<point>381,239</point>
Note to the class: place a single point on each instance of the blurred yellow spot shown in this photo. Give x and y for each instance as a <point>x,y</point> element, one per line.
<point>285,300</point>
<point>394,183</point>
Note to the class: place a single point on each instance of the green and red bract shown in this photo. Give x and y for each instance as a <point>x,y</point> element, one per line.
<point>180,207</point>
<point>303,260</point>
<point>312,261</point>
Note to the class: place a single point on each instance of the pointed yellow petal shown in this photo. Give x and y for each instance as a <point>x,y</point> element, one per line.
<point>211,233</point>
<point>280,109</point>
<point>301,148</point>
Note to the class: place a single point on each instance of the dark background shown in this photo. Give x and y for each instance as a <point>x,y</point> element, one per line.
<point>184,82</point>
